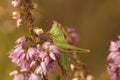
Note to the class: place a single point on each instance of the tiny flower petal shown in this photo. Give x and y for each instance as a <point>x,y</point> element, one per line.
<point>52,56</point>
<point>13,73</point>
<point>19,77</point>
<point>44,68</point>
<point>34,77</point>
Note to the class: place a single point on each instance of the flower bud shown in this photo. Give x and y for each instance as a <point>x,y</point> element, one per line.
<point>90,77</point>
<point>34,5</point>
<point>16,3</point>
<point>38,31</point>
<point>13,73</point>
<point>76,78</point>
<point>72,66</point>
<point>19,22</point>
<point>16,15</point>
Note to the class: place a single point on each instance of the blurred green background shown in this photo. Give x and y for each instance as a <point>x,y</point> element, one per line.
<point>96,21</point>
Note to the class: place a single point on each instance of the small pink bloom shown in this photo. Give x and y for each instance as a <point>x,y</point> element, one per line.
<point>38,47</point>
<point>51,49</point>
<point>34,76</point>
<point>44,68</point>
<point>73,35</point>
<point>113,55</point>
<point>47,60</point>
<point>32,53</point>
<point>21,40</point>
<point>42,55</point>
<point>13,73</point>
<point>115,46</point>
<point>39,70</point>
<point>112,70</point>
<point>19,77</point>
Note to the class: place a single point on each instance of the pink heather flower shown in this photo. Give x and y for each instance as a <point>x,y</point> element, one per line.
<point>47,60</point>
<point>16,15</point>
<point>114,51</point>
<point>39,70</point>
<point>115,46</point>
<point>51,49</point>
<point>32,53</point>
<point>117,60</point>
<point>16,3</point>
<point>42,55</point>
<point>24,75</point>
<point>113,70</point>
<point>112,56</point>
<point>21,41</point>
<point>45,66</point>
<point>38,47</point>
<point>13,73</point>
<point>17,75</point>
<point>18,57</point>
<point>52,55</point>
<point>34,76</point>
<point>73,35</point>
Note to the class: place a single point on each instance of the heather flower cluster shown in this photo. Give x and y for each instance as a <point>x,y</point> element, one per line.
<point>34,60</point>
<point>113,58</point>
